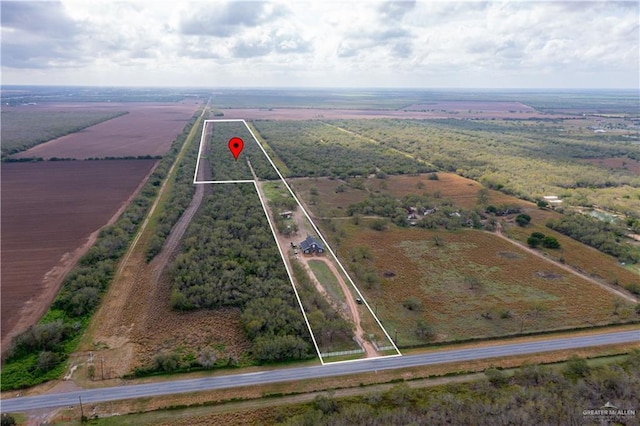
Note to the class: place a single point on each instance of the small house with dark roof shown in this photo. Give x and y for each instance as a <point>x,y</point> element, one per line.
<point>311,246</point>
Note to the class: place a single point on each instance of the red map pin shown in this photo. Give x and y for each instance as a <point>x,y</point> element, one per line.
<point>235,146</point>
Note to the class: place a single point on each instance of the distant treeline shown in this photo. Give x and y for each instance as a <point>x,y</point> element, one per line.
<point>39,159</point>
<point>525,159</point>
<point>38,354</point>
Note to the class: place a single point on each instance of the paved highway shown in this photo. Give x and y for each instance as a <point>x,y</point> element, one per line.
<point>301,373</point>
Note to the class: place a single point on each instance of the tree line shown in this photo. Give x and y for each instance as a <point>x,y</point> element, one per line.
<point>38,354</point>
<point>178,200</point>
<point>607,237</point>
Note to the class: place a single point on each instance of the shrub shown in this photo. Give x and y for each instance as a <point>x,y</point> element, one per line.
<point>378,225</point>
<point>535,239</point>
<point>424,330</point>
<point>523,219</point>
<point>7,420</point>
<point>412,304</point>
<point>166,361</point>
<point>550,242</point>
<point>47,360</point>
<point>496,377</point>
<point>576,367</point>
<point>207,357</point>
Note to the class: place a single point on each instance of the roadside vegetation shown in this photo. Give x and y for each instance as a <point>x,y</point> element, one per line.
<point>540,394</point>
<point>178,200</point>
<point>39,354</point>
<point>23,129</point>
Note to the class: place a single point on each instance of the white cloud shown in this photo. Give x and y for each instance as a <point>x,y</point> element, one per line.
<point>441,43</point>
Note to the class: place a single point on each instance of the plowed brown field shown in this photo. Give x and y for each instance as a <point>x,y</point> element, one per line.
<point>51,211</point>
<point>148,129</point>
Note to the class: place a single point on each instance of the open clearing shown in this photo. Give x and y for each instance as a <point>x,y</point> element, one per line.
<point>51,211</point>
<point>516,291</point>
<point>616,163</point>
<point>148,129</point>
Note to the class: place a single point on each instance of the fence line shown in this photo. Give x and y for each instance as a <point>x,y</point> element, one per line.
<point>341,353</point>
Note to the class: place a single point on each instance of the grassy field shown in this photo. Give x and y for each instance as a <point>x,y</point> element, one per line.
<point>327,279</point>
<point>474,284</point>
<point>22,129</point>
<point>463,193</point>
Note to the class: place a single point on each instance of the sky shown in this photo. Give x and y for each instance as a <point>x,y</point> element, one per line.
<point>418,44</point>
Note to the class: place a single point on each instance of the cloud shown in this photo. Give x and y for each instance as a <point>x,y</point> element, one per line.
<point>226,19</point>
<point>395,10</point>
<point>43,18</point>
<point>321,43</point>
<point>39,35</point>
<point>276,41</point>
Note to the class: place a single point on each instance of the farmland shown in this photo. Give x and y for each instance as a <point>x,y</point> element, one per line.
<point>51,211</point>
<point>224,300</point>
<point>23,127</point>
<point>97,193</point>
<point>147,129</point>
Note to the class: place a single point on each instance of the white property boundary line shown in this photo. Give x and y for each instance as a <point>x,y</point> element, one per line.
<point>273,232</point>
<point>195,181</point>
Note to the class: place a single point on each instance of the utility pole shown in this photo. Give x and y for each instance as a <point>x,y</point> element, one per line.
<point>102,366</point>
<point>81,410</point>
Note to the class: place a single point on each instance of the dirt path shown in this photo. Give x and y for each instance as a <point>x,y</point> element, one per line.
<point>351,303</point>
<point>286,242</point>
<point>118,320</point>
<point>177,232</point>
<point>567,268</point>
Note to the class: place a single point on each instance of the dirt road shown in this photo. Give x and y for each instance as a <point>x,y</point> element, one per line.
<point>133,295</point>
<point>567,268</point>
<point>286,242</point>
